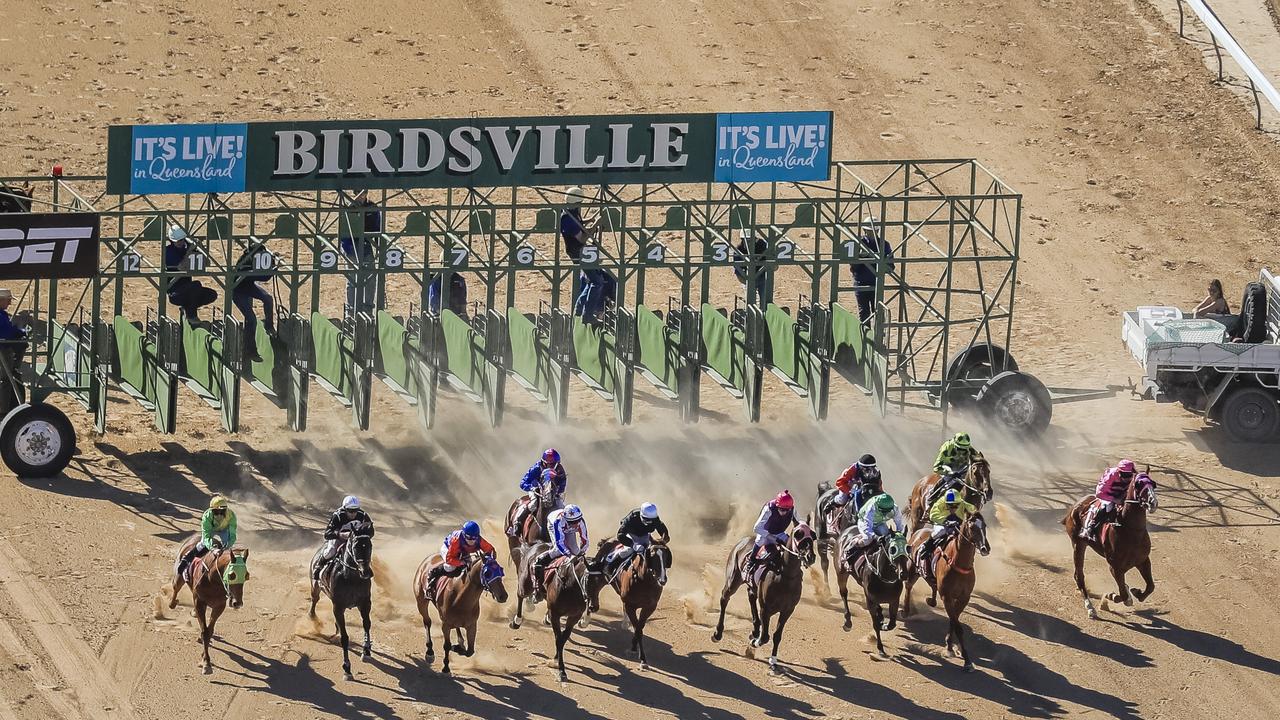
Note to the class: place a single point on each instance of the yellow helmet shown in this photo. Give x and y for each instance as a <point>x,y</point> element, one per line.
<point>217,502</point>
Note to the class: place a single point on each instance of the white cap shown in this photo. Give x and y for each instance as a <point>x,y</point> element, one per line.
<point>351,502</point>
<point>649,511</point>
<point>176,233</point>
<point>572,512</point>
<point>574,196</point>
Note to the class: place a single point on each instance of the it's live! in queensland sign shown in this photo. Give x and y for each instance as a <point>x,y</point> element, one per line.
<point>480,152</point>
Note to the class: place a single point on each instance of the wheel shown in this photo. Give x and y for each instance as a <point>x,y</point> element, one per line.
<point>1018,402</point>
<point>1251,414</point>
<point>36,441</point>
<point>969,367</point>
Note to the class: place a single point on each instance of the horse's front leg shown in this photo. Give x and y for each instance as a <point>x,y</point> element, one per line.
<point>893,613</point>
<point>777,637</point>
<point>1122,589</point>
<point>843,579</point>
<point>823,549</point>
<point>448,646</point>
<point>201,610</point>
<point>424,609</point>
<point>367,649</point>
<point>471,640</point>
<point>339,618</point>
<point>731,584</point>
<point>1144,568</point>
<point>753,601</point>
<point>765,617</point>
<point>1078,548</point>
<point>643,618</point>
<point>877,620</point>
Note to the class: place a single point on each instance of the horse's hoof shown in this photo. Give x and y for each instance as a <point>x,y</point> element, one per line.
<point>347,676</point>
<point>773,665</point>
<point>715,636</point>
<point>883,655</point>
<point>564,676</point>
<point>1128,602</point>
<point>968,667</point>
<point>848,625</point>
<point>891,625</point>
<point>514,624</point>
<point>206,670</point>
<point>444,670</point>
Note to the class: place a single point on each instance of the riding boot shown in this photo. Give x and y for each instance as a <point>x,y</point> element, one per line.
<point>536,573</point>
<point>433,575</point>
<point>319,569</point>
<point>517,522</point>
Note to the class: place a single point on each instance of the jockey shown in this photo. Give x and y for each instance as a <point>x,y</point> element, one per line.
<point>859,482</point>
<point>955,454</point>
<point>873,520</point>
<point>1112,488</point>
<point>776,517</point>
<point>636,530</point>
<point>217,531</point>
<point>568,531</point>
<point>339,529</point>
<point>946,515</point>
<point>457,546</point>
<point>546,472</point>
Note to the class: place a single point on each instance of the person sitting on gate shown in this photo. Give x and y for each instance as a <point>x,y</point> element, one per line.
<point>749,263</point>
<point>184,292</point>
<point>457,547</point>
<point>859,482</point>
<point>568,531</point>
<point>955,455</point>
<point>535,480</point>
<point>1112,488</point>
<point>873,520</point>
<point>635,534</point>
<point>13,329</point>
<point>776,517</point>
<point>245,291</point>
<point>339,529</point>
<point>457,294</point>
<point>597,284</point>
<point>361,223</point>
<point>217,531</point>
<point>946,515</point>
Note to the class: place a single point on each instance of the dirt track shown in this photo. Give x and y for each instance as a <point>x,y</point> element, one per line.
<point>1141,180</point>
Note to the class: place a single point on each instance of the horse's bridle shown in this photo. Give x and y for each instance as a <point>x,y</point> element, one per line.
<point>348,560</point>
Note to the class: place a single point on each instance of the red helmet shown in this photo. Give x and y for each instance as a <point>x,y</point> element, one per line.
<point>784,501</point>
<point>550,456</point>
<point>1126,466</point>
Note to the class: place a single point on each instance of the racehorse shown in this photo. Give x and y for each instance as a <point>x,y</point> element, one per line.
<point>348,582</point>
<point>953,576</point>
<point>1124,542</point>
<point>217,580</point>
<point>457,599</point>
<point>775,593</point>
<point>879,571</point>
<point>977,490</point>
<point>534,528</point>
<point>639,582</point>
<point>828,528</point>
<point>572,592</point>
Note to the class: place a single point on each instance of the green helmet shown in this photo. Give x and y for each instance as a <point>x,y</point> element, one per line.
<point>884,503</point>
<point>962,440</point>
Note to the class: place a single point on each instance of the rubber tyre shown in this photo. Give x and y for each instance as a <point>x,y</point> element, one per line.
<point>1251,414</point>
<point>36,441</point>
<point>1017,402</point>
<point>993,358</point>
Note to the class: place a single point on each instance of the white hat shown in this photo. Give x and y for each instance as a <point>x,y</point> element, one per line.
<point>351,502</point>
<point>6,294</point>
<point>574,196</point>
<point>176,233</point>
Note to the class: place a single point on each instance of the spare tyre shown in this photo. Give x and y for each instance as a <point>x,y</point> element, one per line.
<point>36,441</point>
<point>1017,402</point>
<point>980,360</point>
<point>1251,414</point>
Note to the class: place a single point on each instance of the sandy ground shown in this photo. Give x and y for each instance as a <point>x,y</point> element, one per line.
<point>1141,180</point>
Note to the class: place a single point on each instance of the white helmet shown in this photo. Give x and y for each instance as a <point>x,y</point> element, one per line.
<point>572,513</point>
<point>176,233</point>
<point>649,511</point>
<point>351,502</point>
<point>574,196</point>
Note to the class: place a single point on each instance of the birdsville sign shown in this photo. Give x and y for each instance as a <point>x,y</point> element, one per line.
<point>474,152</point>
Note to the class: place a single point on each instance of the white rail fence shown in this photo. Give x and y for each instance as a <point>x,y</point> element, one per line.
<point>1222,39</point>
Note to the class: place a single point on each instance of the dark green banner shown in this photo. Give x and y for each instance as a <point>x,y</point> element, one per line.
<point>480,152</point>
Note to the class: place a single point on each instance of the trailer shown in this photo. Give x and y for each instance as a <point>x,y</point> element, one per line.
<point>1193,361</point>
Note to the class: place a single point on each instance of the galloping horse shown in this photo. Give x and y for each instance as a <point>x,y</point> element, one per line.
<point>953,576</point>
<point>639,582</point>
<point>828,528</point>
<point>457,599</point>
<point>778,589</point>
<point>976,484</point>
<point>1124,542</point>
<point>879,571</point>
<point>572,590</point>
<point>348,582</point>
<point>534,528</point>
<point>217,579</point>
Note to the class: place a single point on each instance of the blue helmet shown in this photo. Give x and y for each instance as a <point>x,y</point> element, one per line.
<point>551,457</point>
<point>471,529</point>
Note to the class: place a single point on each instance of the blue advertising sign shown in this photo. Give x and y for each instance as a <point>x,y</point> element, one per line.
<point>188,159</point>
<point>773,147</point>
